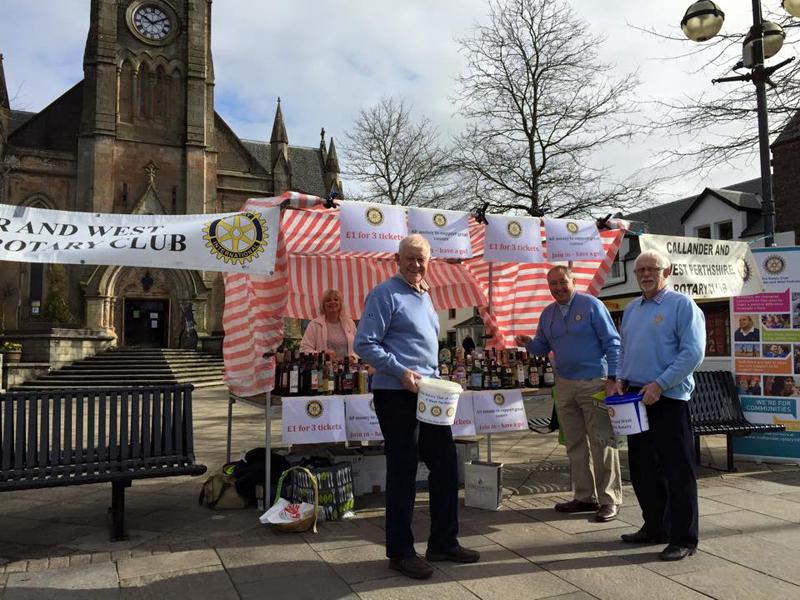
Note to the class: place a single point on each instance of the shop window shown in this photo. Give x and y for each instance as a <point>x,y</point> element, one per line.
<point>718,328</point>
<point>616,269</point>
<point>725,231</point>
<point>451,313</point>
<point>703,232</point>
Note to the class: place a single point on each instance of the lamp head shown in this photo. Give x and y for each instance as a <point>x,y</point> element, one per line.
<point>703,20</point>
<point>792,7</point>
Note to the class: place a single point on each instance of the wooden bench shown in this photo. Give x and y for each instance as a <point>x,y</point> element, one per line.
<point>715,409</point>
<point>51,438</point>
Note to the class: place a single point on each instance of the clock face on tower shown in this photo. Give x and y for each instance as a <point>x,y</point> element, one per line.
<point>152,22</point>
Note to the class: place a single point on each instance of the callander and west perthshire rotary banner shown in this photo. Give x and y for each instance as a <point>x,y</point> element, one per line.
<point>447,231</point>
<point>230,242</point>
<point>570,239</point>
<point>703,268</point>
<point>371,227</point>
<point>513,239</point>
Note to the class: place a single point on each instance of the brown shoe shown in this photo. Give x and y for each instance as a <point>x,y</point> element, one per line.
<point>413,567</point>
<point>576,506</point>
<point>606,513</point>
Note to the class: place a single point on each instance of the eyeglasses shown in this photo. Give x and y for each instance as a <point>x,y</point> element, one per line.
<point>642,270</point>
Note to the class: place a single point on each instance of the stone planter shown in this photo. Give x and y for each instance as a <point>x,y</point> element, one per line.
<point>12,356</point>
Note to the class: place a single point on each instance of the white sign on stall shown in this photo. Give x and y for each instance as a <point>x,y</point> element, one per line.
<point>571,239</point>
<point>464,423</point>
<point>497,411</point>
<point>371,227</point>
<point>447,231</point>
<point>362,422</point>
<point>313,419</point>
<point>513,239</point>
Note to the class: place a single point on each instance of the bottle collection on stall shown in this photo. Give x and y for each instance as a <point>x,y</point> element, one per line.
<point>507,369</point>
<point>301,374</point>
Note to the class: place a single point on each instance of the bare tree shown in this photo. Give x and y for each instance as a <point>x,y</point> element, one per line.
<point>541,107</point>
<point>719,125</point>
<point>399,160</point>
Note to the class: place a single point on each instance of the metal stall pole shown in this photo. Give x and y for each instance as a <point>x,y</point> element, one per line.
<point>267,451</point>
<point>489,435</point>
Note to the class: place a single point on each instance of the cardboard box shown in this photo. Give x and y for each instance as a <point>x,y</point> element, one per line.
<point>483,484</point>
<point>422,476</point>
<point>468,451</point>
<point>372,479</point>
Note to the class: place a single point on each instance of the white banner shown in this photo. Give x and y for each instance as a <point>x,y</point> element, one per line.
<point>499,410</point>
<point>313,419</point>
<point>362,422</point>
<point>703,268</point>
<point>464,423</point>
<point>570,239</point>
<point>371,227</point>
<point>447,231</point>
<point>231,242</point>
<point>513,239</point>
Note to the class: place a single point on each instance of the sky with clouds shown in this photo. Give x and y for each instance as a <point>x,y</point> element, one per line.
<point>328,59</point>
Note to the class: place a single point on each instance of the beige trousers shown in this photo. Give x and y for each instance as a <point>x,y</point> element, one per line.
<point>591,445</point>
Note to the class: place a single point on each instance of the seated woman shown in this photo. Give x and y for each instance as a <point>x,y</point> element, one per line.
<point>331,331</point>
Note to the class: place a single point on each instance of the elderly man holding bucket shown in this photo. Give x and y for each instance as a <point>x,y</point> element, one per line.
<point>398,335</point>
<point>578,329</point>
<point>663,341</point>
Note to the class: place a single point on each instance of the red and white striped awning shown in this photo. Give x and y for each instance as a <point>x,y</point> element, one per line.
<point>309,262</point>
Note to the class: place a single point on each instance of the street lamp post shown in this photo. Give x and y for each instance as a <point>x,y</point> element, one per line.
<point>702,21</point>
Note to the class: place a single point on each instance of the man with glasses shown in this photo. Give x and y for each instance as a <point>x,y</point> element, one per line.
<point>663,341</point>
<point>399,336</point>
<point>578,329</point>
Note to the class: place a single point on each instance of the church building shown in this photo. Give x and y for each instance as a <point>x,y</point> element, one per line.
<point>140,135</point>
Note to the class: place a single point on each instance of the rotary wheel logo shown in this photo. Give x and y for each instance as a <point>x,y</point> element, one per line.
<point>374,216</point>
<point>451,411</point>
<point>499,399</point>
<point>436,411</point>
<point>774,265</point>
<point>611,412</point>
<point>439,220</point>
<point>372,405</point>
<point>514,229</point>
<point>421,407</point>
<point>743,268</point>
<point>572,227</point>
<point>314,409</point>
<point>237,239</point>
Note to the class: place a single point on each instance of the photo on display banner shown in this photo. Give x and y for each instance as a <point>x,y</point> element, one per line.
<point>776,350</point>
<point>797,359</point>
<point>748,385</point>
<point>747,350</point>
<point>776,321</point>
<point>748,330</point>
<point>780,385</point>
<point>796,310</point>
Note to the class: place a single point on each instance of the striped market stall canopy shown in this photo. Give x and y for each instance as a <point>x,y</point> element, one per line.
<point>309,262</point>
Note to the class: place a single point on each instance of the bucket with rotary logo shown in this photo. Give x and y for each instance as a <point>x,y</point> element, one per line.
<point>627,413</point>
<point>437,401</point>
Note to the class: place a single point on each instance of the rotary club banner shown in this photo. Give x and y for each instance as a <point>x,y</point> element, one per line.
<point>313,419</point>
<point>371,227</point>
<point>497,411</point>
<point>240,242</point>
<point>570,239</point>
<point>703,268</point>
<point>447,231</point>
<point>362,422</point>
<point>513,239</point>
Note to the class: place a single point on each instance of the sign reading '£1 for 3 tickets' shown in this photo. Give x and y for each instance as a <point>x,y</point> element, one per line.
<point>228,242</point>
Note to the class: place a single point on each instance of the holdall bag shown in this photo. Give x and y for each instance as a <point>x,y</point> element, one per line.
<point>219,490</point>
<point>335,488</point>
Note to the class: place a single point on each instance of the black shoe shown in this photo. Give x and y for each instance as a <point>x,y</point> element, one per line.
<point>575,506</point>
<point>459,554</point>
<point>642,537</point>
<point>413,567</point>
<point>676,552</point>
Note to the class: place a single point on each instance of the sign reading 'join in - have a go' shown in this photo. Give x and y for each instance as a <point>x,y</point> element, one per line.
<point>499,410</point>
<point>313,419</point>
<point>371,227</point>
<point>447,231</point>
<point>362,422</point>
<point>570,239</point>
<point>229,242</point>
<point>512,239</point>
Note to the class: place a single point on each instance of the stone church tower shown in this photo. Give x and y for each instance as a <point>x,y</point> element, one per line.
<point>139,134</point>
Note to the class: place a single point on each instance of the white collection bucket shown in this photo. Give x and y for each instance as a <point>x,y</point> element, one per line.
<point>437,401</point>
<point>627,413</point>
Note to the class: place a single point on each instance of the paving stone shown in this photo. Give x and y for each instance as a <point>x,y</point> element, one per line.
<point>360,563</point>
<point>735,582</point>
<point>211,583</point>
<point>316,585</point>
<point>77,560</point>
<point>761,486</point>
<point>280,557</point>
<point>333,535</point>
<point>758,554</point>
<point>99,541</point>
<point>538,542</point>
<point>167,563</point>
<point>18,529</point>
<point>773,506</point>
<point>97,582</point>
<point>58,562</point>
<point>761,526</point>
<point>439,587</point>
<point>647,557</point>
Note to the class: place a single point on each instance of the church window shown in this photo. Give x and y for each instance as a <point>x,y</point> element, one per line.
<point>126,87</point>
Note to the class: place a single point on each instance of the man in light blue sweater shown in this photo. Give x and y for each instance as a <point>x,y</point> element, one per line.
<point>399,336</point>
<point>663,342</point>
<point>578,329</point>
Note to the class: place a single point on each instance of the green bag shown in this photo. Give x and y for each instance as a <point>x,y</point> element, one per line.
<point>335,489</point>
